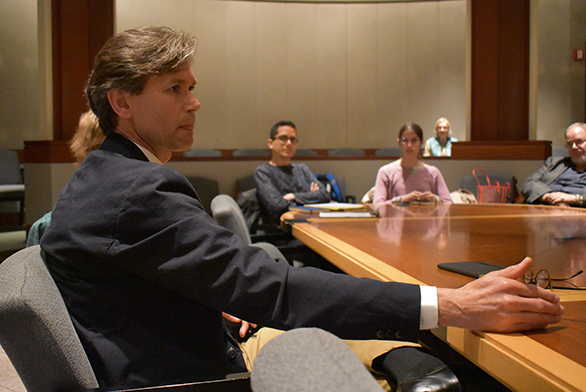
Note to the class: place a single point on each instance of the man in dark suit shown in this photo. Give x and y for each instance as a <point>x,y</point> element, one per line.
<point>146,273</point>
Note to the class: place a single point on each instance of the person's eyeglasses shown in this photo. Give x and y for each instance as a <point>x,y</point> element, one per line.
<point>543,280</point>
<point>578,143</point>
<point>407,141</point>
<point>284,139</point>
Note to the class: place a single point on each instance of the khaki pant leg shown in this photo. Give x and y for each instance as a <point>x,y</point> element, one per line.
<point>254,343</point>
<point>365,350</point>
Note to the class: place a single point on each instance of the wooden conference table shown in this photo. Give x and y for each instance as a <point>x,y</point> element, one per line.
<point>407,242</point>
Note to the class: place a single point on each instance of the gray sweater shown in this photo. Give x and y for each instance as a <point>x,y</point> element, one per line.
<point>273,182</point>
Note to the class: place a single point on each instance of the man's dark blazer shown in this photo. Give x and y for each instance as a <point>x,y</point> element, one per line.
<point>146,272</point>
<point>537,184</point>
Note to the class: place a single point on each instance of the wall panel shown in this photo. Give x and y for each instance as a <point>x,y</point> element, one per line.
<point>347,74</point>
<point>362,73</point>
<point>210,68</point>
<point>271,66</point>
<point>392,74</point>
<point>241,75</point>
<point>331,62</point>
<point>301,73</point>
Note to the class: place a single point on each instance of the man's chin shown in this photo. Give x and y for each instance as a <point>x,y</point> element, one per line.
<point>183,147</point>
<point>578,160</point>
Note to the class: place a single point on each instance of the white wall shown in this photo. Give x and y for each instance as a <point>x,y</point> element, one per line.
<point>19,92</point>
<point>346,74</point>
<point>558,27</point>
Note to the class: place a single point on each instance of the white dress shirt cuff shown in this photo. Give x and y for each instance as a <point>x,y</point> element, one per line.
<point>429,315</point>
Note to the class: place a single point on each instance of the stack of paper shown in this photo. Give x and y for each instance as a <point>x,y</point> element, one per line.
<point>335,206</point>
<point>346,214</point>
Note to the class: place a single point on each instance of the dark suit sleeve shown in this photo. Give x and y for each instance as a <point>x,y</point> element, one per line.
<point>180,247</point>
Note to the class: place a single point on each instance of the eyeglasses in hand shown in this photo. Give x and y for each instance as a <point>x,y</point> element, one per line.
<point>543,280</point>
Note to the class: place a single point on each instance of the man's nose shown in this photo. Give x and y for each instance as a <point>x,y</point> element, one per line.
<point>194,104</point>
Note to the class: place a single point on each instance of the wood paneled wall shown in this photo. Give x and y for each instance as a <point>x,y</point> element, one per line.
<point>79,28</point>
<point>500,70</point>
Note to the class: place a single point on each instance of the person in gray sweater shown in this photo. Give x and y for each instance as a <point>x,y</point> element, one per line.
<point>281,184</point>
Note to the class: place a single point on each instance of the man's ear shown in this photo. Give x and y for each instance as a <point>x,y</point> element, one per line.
<point>270,143</point>
<point>118,99</point>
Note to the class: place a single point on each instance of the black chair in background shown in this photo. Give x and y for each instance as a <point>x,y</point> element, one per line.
<point>332,186</point>
<point>335,186</point>
<point>207,189</point>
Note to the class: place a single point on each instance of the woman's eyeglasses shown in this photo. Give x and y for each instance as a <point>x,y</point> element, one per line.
<point>543,280</point>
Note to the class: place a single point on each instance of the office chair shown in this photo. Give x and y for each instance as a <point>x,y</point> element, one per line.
<point>228,214</point>
<point>38,336</point>
<point>35,329</point>
<point>248,203</point>
<point>331,185</point>
<point>11,182</point>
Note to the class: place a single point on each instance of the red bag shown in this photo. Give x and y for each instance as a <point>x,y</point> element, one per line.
<point>491,193</point>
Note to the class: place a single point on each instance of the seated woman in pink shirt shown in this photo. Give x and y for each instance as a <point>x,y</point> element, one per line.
<point>407,179</point>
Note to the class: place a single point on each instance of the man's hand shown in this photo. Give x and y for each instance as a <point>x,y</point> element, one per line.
<point>244,325</point>
<point>561,199</point>
<point>498,302</point>
<point>289,196</point>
